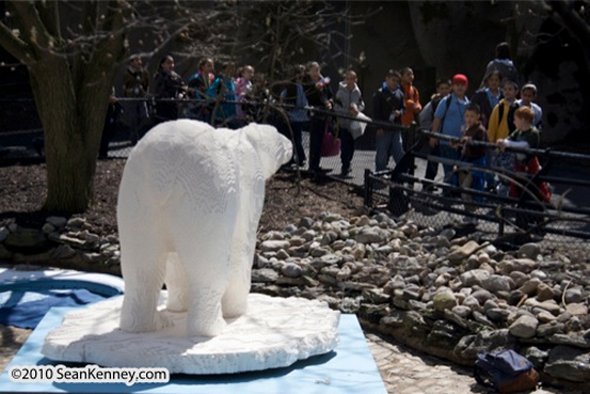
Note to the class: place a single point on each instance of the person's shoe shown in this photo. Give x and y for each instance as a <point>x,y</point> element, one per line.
<point>345,172</point>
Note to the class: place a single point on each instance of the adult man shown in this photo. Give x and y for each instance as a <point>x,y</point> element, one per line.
<point>388,105</point>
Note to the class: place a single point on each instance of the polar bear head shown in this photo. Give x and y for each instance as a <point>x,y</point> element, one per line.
<point>272,148</point>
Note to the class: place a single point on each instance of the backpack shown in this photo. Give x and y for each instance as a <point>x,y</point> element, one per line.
<point>506,371</point>
<point>448,105</point>
<point>511,109</point>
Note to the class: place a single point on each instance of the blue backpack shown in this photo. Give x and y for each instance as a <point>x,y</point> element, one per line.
<point>506,371</point>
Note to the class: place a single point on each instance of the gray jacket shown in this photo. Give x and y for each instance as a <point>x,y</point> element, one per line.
<point>343,99</point>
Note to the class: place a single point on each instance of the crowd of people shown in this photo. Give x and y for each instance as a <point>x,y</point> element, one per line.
<point>500,112</point>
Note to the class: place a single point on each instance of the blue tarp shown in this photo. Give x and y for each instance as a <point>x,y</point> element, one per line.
<point>349,369</point>
<point>23,303</point>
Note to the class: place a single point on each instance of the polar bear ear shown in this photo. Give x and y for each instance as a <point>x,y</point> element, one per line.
<point>272,147</point>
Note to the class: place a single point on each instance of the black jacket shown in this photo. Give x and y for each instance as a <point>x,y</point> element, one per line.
<point>385,102</point>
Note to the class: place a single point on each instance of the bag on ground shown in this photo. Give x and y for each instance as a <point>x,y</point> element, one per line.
<point>506,371</point>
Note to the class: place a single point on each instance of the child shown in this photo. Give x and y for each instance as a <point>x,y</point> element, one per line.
<point>528,93</point>
<point>412,108</point>
<point>489,96</point>
<point>476,155</point>
<point>448,120</point>
<point>526,136</point>
<point>499,127</point>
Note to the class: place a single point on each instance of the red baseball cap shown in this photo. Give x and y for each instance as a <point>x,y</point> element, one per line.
<point>460,79</point>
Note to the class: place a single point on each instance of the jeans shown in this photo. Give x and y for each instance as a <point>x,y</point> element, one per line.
<point>432,166</point>
<point>316,133</point>
<point>448,152</point>
<point>298,148</point>
<point>388,144</point>
<point>346,148</point>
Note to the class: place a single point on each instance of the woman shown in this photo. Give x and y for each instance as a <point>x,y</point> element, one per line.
<point>348,101</point>
<point>167,85</point>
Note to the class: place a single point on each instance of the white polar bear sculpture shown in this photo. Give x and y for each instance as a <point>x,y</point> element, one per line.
<point>189,205</point>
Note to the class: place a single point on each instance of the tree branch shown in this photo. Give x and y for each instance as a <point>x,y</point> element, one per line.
<point>28,14</point>
<point>17,47</point>
<point>572,20</point>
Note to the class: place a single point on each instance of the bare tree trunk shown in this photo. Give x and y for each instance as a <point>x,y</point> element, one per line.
<point>73,118</point>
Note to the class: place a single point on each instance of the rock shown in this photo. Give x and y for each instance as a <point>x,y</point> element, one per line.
<point>397,282</point>
<point>462,311</point>
<point>569,363</point>
<point>448,233</point>
<point>518,277</point>
<point>538,274</point>
<point>524,327</point>
<point>344,273</point>
<point>530,286</point>
<point>570,340</point>
<point>305,222</point>
<point>57,221</point>
<point>290,228</point>
<point>26,238</point>
<point>291,270</point>
<point>376,296</point>
<point>496,283</point>
<point>470,345</point>
<point>474,277</point>
<point>522,265</point>
<point>544,292</point>
<point>320,252</point>
<point>489,304</point>
<point>264,275</point>
<point>536,356</point>
<point>359,251</point>
<point>463,252</point>
<point>444,299</point>
<point>370,235</point>
<point>577,309</point>
<point>350,305</point>
<point>548,329</point>
<point>482,296</point>
<point>4,233</point>
<point>5,254</point>
<point>308,235</point>
<point>545,317</point>
<point>296,241</point>
<point>274,245</point>
<point>497,314</point>
<point>550,306</point>
<point>62,252</point>
<point>574,295</point>
<point>282,255</point>
<point>76,223</point>
<point>530,250</point>
<point>472,303</point>
<point>482,319</point>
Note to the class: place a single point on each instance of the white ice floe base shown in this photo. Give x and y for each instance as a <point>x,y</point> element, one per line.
<point>276,332</point>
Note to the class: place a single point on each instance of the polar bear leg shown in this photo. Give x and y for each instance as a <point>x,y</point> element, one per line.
<point>201,238</point>
<point>235,298</point>
<point>175,284</point>
<point>142,265</point>
<point>207,269</point>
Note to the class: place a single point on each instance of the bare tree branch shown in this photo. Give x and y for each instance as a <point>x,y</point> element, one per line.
<point>13,44</point>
